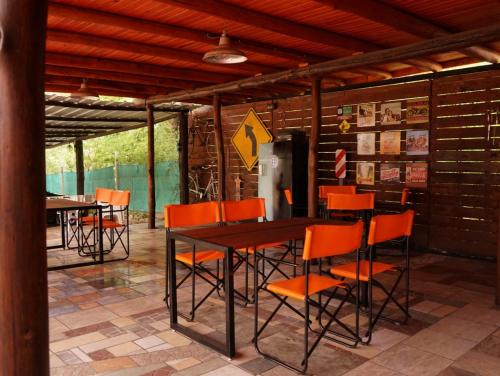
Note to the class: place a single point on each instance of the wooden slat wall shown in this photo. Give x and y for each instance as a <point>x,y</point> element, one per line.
<point>450,200</point>
<point>465,167</point>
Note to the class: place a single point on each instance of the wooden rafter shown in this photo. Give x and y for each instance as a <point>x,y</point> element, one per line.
<point>406,22</point>
<point>114,44</point>
<point>277,24</point>
<point>86,62</point>
<point>426,47</point>
<point>233,12</point>
<point>173,31</point>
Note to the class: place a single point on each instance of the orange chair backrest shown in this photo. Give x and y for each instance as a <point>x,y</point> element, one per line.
<point>288,196</point>
<point>361,201</point>
<point>250,208</point>
<point>103,194</point>
<point>332,240</point>
<point>404,196</point>
<point>390,226</point>
<point>203,213</point>
<point>120,198</point>
<point>324,190</point>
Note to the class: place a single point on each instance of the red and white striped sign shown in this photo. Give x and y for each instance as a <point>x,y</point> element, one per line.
<point>340,164</point>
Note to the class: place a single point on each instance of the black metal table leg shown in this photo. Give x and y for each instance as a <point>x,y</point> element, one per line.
<point>229,297</point>
<point>101,236</point>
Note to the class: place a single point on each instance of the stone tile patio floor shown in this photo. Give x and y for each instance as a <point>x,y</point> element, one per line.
<point>111,320</point>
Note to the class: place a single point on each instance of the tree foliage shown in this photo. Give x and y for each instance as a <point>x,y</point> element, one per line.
<point>130,148</point>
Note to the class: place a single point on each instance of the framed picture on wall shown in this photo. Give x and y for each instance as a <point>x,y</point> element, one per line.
<point>417,142</point>
<point>390,113</point>
<point>366,115</point>
<point>416,175</point>
<point>366,143</point>
<point>390,142</point>
<point>417,111</point>
<point>389,173</point>
<point>365,173</point>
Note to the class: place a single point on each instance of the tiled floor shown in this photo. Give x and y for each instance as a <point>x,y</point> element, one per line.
<point>111,320</point>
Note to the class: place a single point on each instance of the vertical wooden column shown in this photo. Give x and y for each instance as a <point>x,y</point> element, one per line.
<point>219,144</point>
<point>312,183</point>
<point>151,168</point>
<point>80,172</point>
<point>497,292</point>
<point>24,340</point>
<point>183,158</point>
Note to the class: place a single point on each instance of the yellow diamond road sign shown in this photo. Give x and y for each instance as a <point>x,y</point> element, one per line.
<point>250,134</point>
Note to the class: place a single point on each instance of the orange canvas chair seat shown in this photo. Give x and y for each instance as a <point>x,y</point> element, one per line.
<point>199,257</point>
<point>111,224</point>
<point>295,288</point>
<point>349,270</point>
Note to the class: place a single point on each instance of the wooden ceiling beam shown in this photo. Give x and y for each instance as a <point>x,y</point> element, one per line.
<point>174,31</point>
<point>78,127</point>
<point>114,44</point>
<point>423,48</point>
<point>86,62</point>
<point>401,20</point>
<point>109,107</point>
<point>105,84</point>
<point>235,13</point>
<point>119,77</point>
<point>157,82</point>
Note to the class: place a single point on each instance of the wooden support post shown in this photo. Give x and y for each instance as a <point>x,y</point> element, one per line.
<point>312,184</point>
<point>497,293</point>
<point>151,168</point>
<point>80,172</point>
<point>183,158</point>
<point>219,144</point>
<point>24,336</point>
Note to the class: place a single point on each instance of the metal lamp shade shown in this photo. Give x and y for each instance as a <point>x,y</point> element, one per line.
<point>84,92</point>
<point>224,53</point>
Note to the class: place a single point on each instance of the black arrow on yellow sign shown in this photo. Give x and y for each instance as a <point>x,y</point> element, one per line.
<point>249,134</point>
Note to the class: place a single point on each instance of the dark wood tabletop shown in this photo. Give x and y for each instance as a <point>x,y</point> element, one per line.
<point>64,203</point>
<point>251,234</point>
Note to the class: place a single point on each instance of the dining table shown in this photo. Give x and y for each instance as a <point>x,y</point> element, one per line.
<point>62,206</point>
<point>227,239</point>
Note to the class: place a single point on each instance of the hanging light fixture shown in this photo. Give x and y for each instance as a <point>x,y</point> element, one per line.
<point>84,92</point>
<point>224,53</point>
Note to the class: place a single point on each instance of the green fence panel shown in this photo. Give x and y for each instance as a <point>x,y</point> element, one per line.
<point>130,177</point>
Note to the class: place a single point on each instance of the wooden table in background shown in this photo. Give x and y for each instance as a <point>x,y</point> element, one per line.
<point>62,206</point>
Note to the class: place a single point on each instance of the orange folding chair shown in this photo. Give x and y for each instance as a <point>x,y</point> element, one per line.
<point>246,210</point>
<point>325,190</point>
<point>359,205</point>
<point>102,197</point>
<point>404,197</point>
<point>199,214</point>
<point>383,228</point>
<point>289,199</point>
<point>115,229</point>
<point>320,241</point>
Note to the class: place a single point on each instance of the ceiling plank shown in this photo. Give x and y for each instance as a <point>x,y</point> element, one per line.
<point>401,20</point>
<point>427,47</point>
<point>86,62</point>
<point>109,107</point>
<point>119,77</point>
<point>173,31</point>
<point>114,44</point>
<point>280,25</point>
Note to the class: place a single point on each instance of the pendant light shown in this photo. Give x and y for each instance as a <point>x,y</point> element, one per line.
<point>224,53</point>
<point>84,92</point>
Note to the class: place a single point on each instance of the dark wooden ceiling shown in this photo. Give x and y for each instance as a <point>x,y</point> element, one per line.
<point>141,48</point>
